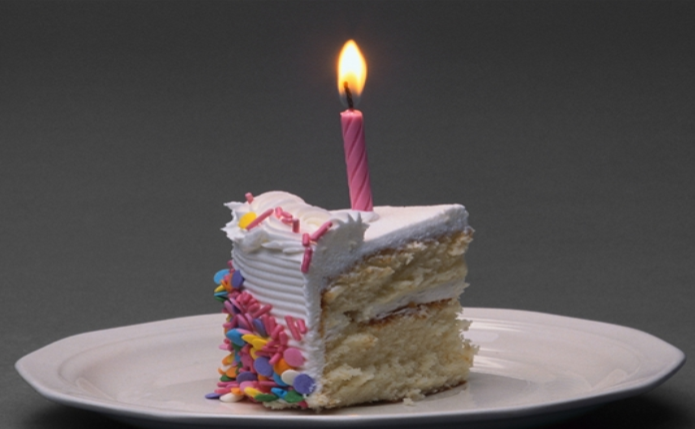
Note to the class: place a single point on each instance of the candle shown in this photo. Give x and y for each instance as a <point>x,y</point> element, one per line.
<point>352,74</point>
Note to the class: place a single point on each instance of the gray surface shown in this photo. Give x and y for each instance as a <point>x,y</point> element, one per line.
<point>566,128</point>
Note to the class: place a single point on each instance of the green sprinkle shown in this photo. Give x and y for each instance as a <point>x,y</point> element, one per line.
<point>265,397</point>
<point>293,397</point>
<point>225,378</point>
<point>220,298</point>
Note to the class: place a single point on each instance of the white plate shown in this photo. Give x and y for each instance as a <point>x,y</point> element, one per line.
<point>532,368</point>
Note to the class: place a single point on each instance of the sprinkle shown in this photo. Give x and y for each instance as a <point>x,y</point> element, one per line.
<point>307,259</point>
<point>306,240</point>
<point>283,338</point>
<point>249,197</point>
<point>278,212</point>
<point>293,356</point>
<point>246,376</point>
<point>235,336</point>
<point>293,397</point>
<point>252,391</point>
<point>275,359</point>
<point>237,279</point>
<point>281,366</point>
<point>246,220</point>
<point>288,376</point>
<point>224,347</point>
<point>230,264</point>
<point>301,325</point>
<point>322,230</point>
<point>279,380</point>
<point>279,392</point>
<point>259,219</point>
<point>260,327</point>
<point>276,331</point>
<point>304,384</point>
<point>263,310</point>
<point>266,325</point>
<point>215,395</point>
<point>267,383</point>
<point>219,288</point>
<point>265,397</point>
<point>293,328</point>
<point>295,226</point>
<point>263,366</point>
<point>220,275</point>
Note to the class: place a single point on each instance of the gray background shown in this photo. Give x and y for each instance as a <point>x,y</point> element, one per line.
<point>566,128</point>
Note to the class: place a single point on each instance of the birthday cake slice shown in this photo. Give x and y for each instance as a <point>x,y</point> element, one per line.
<point>329,309</point>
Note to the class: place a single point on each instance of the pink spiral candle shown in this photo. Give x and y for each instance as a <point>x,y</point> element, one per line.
<point>356,160</point>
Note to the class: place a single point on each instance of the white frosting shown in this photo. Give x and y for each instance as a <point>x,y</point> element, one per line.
<point>270,255</point>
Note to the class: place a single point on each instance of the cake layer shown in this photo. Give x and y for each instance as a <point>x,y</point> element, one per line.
<point>405,355</point>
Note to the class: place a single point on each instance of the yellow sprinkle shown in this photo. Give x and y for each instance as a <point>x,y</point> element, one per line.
<point>220,288</point>
<point>247,219</point>
<point>252,392</point>
<point>253,354</point>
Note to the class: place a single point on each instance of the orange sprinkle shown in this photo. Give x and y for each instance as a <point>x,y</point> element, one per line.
<point>231,372</point>
<point>281,366</point>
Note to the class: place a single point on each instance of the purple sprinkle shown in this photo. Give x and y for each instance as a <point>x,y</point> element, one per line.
<point>237,279</point>
<point>260,327</point>
<point>304,384</point>
<point>246,376</point>
<point>263,366</point>
<point>212,395</point>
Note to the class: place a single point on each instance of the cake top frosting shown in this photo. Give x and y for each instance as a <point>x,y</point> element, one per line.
<point>285,222</point>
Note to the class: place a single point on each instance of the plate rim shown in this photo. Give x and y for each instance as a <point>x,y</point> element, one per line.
<point>26,368</point>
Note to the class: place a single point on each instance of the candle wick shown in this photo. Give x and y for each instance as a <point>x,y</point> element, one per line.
<point>348,94</point>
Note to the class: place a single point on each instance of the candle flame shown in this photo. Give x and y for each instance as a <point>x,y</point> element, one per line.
<point>352,69</point>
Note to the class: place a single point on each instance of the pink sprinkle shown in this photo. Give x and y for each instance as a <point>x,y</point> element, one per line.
<point>224,347</point>
<point>267,383</point>
<point>276,331</point>
<point>230,264</point>
<point>244,332</point>
<point>295,226</point>
<point>259,219</point>
<point>227,325</point>
<point>249,197</point>
<point>305,240</point>
<point>272,324</point>
<point>322,230</point>
<point>283,338</point>
<point>227,341</point>
<point>276,357</point>
<point>288,221</point>
<point>243,322</point>
<point>234,322</point>
<point>266,323</point>
<point>307,259</point>
<point>263,311</point>
<point>253,307</point>
<point>228,384</point>
<point>293,328</point>
<point>301,325</point>
<point>293,357</point>
<point>278,212</point>
<point>286,215</point>
<point>222,390</point>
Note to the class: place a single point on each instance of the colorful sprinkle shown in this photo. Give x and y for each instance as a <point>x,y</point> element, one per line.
<point>259,219</point>
<point>246,220</point>
<point>249,197</point>
<point>322,230</point>
<point>289,376</point>
<point>246,376</point>
<point>293,357</point>
<point>237,279</point>
<point>307,259</point>
<point>293,397</point>
<point>304,384</point>
<point>219,276</point>
<point>212,395</point>
<point>263,366</point>
<point>260,327</point>
<point>231,397</point>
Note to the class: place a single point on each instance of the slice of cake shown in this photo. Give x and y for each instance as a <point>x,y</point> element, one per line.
<point>335,308</point>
